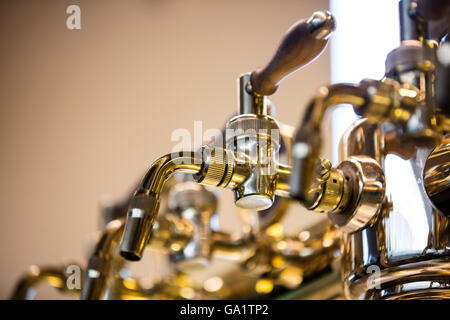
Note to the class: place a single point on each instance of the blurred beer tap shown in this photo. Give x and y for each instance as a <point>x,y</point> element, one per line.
<point>187,234</point>
<point>55,276</point>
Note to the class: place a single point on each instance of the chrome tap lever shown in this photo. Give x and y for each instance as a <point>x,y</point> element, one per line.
<point>303,42</point>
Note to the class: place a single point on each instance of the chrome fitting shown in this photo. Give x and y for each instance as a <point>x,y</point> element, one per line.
<point>218,167</point>
<point>255,141</point>
<point>368,186</point>
<point>250,102</point>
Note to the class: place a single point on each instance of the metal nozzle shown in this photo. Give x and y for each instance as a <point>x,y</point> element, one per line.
<point>144,206</point>
<point>140,219</point>
<point>308,137</point>
<point>101,261</point>
<point>94,285</point>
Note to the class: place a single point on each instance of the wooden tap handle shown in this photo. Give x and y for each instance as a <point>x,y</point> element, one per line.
<point>303,42</point>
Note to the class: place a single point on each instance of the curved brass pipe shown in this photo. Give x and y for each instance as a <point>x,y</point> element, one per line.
<point>437,176</point>
<point>170,231</point>
<point>311,255</point>
<point>144,205</point>
<point>164,167</point>
<point>308,137</point>
<point>100,262</point>
<point>54,276</point>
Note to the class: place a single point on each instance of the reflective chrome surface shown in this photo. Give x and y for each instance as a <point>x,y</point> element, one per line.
<point>255,140</point>
<point>437,176</point>
<point>194,204</point>
<point>368,195</point>
<point>388,199</point>
<point>409,236</point>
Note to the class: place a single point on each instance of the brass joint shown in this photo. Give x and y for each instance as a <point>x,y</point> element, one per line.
<point>308,137</point>
<point>218,167</point>
<point>144,206</point>
<point>380,99</point>
<point>334,193</point>
<point>403,105</point>
<point>388,100</point>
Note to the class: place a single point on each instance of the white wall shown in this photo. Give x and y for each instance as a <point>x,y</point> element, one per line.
<point>367,30</point>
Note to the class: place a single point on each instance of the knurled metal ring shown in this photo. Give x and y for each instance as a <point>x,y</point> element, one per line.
<point>218,167</point>
<point>366,178</point>
<point>253,126</point>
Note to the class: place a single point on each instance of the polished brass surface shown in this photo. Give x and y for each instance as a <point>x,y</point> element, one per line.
<point>255,141</point>
<point>258,221</point>
<point>308,138</point>
<point>219,167</point>
<point>417,280</point>
<point>437,176</point>
<point>248,166</point>
<point>194,204</point>
<point>101,261</point>
<point>144,205</point>
<point>334,195</point>
<point>387,201</point>
<point>368,193</point>
<point>282,187</point>
<point>320,187</point>
<point>54,276</point>
<point>285,260</point>
<point>404,252</point>
<point>171,233</point>
<point>407,230</point>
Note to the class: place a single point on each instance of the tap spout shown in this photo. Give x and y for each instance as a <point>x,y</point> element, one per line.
<point>144,205</point>
<point>101,260</point>
<point>308,137</point>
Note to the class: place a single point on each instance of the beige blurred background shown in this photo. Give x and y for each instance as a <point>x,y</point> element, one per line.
<point>85,112</point>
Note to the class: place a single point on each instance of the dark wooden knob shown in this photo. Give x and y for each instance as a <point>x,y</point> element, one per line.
<point>303,42</point>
